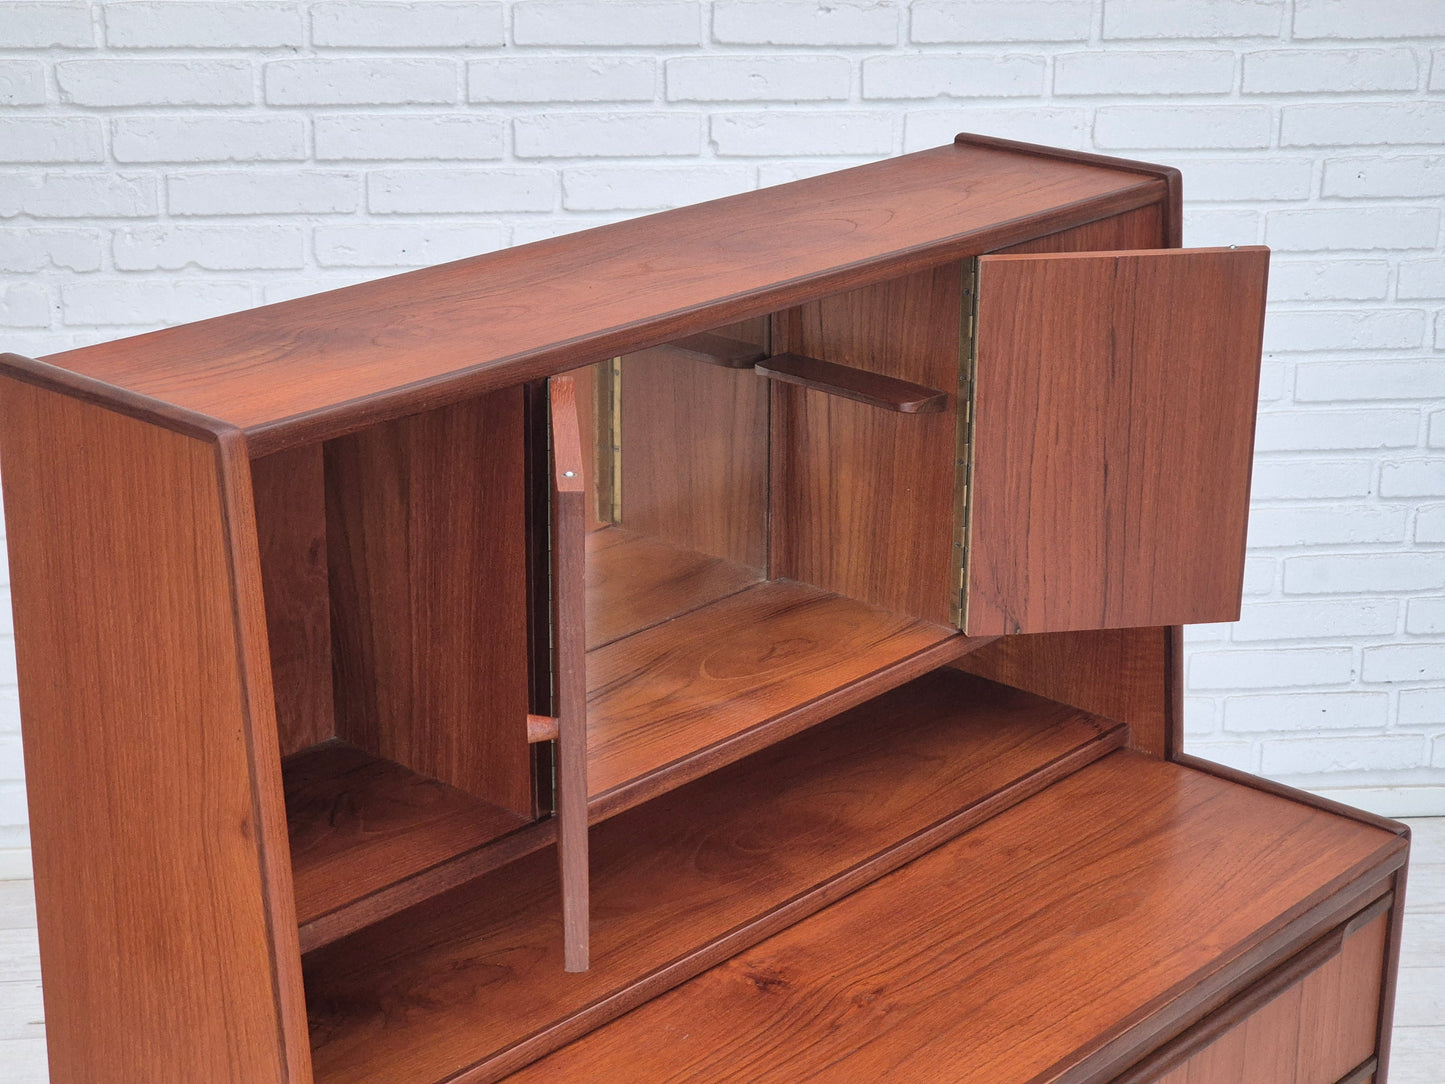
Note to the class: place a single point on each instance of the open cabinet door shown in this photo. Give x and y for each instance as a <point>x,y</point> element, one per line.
<point>1114,398</point>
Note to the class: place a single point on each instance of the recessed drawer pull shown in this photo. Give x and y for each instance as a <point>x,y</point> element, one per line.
<point>1230,1015</point>
<point>875,389</point>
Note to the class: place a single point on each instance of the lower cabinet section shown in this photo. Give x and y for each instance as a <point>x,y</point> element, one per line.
<point>956,881</point>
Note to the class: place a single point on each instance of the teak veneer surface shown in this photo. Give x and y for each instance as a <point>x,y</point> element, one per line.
<point>358,823</point>
<point>694,453</point>
<point>679,690</point>
<point>426,535</point>
<point>441,987</point>
<point>635,581</point>
<point>863,498</point>
<point>1013,953</point>
<point>316,366</point>
<point>1124,674</point>
<point>1316,1029</point>
<point>290,495</point>
<point>162,893</point>
<point>1115,397</point>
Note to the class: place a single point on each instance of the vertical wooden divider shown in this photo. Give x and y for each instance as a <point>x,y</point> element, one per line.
<point>569,513</point>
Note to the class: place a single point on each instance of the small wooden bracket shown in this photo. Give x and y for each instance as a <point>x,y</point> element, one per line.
<point>875,389</point>
<point>541,728</point>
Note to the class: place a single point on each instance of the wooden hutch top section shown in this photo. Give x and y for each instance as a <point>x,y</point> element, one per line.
<point>320,366</point>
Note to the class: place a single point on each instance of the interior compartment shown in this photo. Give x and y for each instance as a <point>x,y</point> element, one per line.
<point>395,572</point>
<point>770,537</point>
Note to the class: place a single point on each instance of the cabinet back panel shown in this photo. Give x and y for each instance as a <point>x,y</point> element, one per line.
<point>1139,228</point>
<point>1123,674</point>
<point>290,492</point>
<point>426,536</point>
<point>863,498</point>
<point>1115,402</point>
<point>695,453</point>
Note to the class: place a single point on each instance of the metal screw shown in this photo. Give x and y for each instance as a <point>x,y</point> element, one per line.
<point>569,474</point>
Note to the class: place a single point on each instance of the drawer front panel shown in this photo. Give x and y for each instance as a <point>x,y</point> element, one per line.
<point>1314,1020</point>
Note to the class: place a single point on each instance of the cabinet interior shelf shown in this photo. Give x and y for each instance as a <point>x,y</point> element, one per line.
<point>667,704</point>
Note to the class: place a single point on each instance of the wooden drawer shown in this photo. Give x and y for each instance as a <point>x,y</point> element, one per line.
<point>1313,1020</point>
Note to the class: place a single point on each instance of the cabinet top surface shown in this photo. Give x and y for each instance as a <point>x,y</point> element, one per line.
<point>321,365</point>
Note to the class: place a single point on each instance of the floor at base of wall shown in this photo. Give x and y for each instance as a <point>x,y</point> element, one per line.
<point>1418,1049</point>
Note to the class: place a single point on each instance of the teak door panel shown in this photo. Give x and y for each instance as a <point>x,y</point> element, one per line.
<point>1114,406</point>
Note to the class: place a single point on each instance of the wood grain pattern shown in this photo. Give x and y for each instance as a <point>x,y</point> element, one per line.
<point>427,541</point>
<point>1122,674</point>
<point>1314,1027</point>
<point>695,454</point>
<point>714,349</point>
<point>411,343</point>
<point>569,514</point>
<point>407,891</point>
<point>863,499</point>
<point>1011,953</point>
<point>359,822</point>
<point>860,385</point>
<point>677,692</point>
<point>167,936</point>
<point>1115,409</point>
<point>290,490</point>
<point>1172,204</point>
<point>635,581</point>
<point>1140,228</point>
<point>765,841</point>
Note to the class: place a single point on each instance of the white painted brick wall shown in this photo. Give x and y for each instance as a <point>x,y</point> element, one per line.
<point>166,161</point>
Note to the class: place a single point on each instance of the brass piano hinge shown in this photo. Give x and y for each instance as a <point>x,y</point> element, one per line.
<point>963,462</point>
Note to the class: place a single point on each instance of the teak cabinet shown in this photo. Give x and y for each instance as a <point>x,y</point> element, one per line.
<point>741,643</point>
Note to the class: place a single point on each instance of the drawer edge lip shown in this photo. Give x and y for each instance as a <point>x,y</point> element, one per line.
<point>1304,797</point>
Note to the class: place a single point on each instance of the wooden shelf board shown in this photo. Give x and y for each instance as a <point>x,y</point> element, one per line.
<point>635,581</point>
<point>682,698</point>
<point>850,382</point>
<point>476,975</point>
<point>359,823</point>
<point>1036,947</point>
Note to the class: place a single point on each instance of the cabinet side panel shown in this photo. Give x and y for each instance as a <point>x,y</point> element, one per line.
<point>157,924</point>
<point>863,498</point>
<point>426,535</point>
<point>290,498</point>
